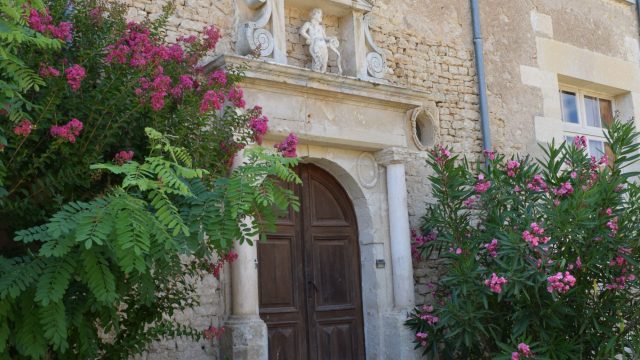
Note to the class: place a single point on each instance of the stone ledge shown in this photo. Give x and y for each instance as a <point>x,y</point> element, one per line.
<point>302,80</point>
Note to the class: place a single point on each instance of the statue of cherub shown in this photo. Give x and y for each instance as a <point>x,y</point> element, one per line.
<point>319,43</point>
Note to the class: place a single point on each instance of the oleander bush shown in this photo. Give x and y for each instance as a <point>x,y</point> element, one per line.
<point>541,256</point>
<point>117,190</point>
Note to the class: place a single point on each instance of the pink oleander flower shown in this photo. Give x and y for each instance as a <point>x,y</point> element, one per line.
<point>495,283</point>
<point>217,78</point>
<point>123,157</point>
<point>609,211</point>
<point>537,184</point>
<point>564,190</point>
<point>579,263</point>
<point>470,201</point>
<point>580,142</point>
<point>613,226</point>
<point>515,356</point>
<point>531,238</point>
<point>417,241</point>
<point>491,155</point>
<point>574,175</point>
<point>48,71</point>
<point>560,282</point>
<point>74,75</point>
<point>211,37</point>
<point>492,248</point>
<point>430,319</point>
<point>482,186</point>
<point>24,128</point>
<point>236,97</point>
<point>259,127</point>
<point>211,99</point>
<point>441,154</point>
<point>157,100</point>
<point>523,350</point>
<point>512,168</point>
<point>456,251</point>
<point>69,132</point>
<point>288,146</point>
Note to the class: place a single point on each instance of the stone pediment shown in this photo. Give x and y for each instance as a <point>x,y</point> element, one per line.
<point>333,7</point>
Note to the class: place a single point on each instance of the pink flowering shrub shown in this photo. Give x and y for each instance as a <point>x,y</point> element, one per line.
<point>116,186</point>
<point>541,256</point>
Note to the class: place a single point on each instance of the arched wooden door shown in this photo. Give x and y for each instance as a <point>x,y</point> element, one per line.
<point>309,272</point>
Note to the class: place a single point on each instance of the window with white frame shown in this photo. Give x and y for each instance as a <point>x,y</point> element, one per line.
<point>586,113</point>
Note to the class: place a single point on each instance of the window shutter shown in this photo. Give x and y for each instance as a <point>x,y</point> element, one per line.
<point>606,112</point>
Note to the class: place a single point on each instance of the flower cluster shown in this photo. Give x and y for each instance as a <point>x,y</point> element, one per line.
<point>482,185</point>
<point>422,338</point>
<point>137,49</point>
<point>531,238</point>
<point>441,154</point>
<point>492,248</point>
<point>259,126</point>
<point>24,128</point>
<point>213,332</point>
<point>523,350</point>
<point>417,241</point>
<point>211,37</point>
<point>217,267</point>
<point>74,75</point>
<point>235,95</point>
<point>512,168</point>
<point>46,71</point>
<point>565,189</point>
<point>426,315</point>
<point>580,142</point>
<point>41,22</point>
<point>288,146</point>
<point>491,155</point>
<point>123,157</point>
<point>560,282</point>
<point>69,131</point>
<point>211,99</point>
<point>495,283</point>
<point>537,184</point>
<point>624,269</point>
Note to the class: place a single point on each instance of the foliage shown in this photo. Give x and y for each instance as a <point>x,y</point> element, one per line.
<point>101,259</point>
<point>127,250</point>
<point>541,257</point>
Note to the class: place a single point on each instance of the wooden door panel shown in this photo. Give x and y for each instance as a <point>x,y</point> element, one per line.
<point>309,273</point>
<point>284,341</point>
<point>275,269</point>
<point>337,340</point>
<point>333,273</point>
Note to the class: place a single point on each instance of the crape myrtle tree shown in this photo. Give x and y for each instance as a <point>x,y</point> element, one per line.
<point>116,187</point>
<point>540,256</point>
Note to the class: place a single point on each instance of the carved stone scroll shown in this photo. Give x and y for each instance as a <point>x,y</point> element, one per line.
<point>254,38</point>
<point>376,60</point>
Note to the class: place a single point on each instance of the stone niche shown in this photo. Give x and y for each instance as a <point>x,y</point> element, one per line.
<point>269,30</point>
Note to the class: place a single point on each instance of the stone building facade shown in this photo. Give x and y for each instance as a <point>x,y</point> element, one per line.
<point>407,65</point>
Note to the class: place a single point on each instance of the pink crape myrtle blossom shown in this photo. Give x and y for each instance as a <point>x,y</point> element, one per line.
<point>46,71</point>
<point>211,37</point>
<point>213,332</point>
<point>560,282</point>
<point>211,100</point>
<point>217,78</point>
<point>495,283</point>
<point>69,132</point>
<point>123,157</point>
<point>24,128</point>
<point>235,95</point>
<point>259,125</point>
<point>41,22</point>
<point>74,75</point>
<point>288,146</point>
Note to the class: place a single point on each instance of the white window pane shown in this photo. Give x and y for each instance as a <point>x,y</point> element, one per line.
<point>596,148</point>
<point>592,110</point>
<point>569,107</point>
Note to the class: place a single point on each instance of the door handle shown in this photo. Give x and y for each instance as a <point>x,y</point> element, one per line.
<point>313,284</point>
